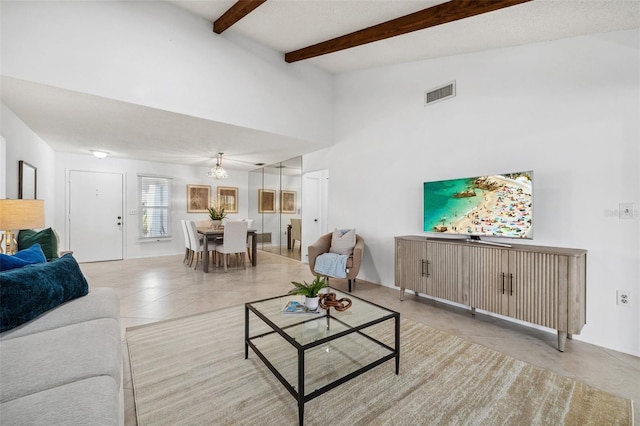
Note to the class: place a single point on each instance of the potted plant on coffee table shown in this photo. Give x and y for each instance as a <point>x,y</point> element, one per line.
<point>309,291</point>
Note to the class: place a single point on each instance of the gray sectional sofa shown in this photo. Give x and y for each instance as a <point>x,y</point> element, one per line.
<point>65,366</point>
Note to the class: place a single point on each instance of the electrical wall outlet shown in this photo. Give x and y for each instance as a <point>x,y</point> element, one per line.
<point>623,298</point>
<point>133,212</point>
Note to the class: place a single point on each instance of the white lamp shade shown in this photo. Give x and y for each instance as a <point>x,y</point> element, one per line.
<point>21,214</point>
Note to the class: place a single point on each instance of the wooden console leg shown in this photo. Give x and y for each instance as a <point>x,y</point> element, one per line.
<point>402,293</point>
<point>562,339</point>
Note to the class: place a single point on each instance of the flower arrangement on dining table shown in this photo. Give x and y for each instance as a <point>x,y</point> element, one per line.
<point>216,211</point>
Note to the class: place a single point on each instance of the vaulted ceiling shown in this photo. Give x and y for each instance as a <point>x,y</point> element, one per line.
<point>289,25</point>
<point>374,32</point>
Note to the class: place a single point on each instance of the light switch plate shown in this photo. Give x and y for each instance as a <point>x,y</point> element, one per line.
<point>626,210</point>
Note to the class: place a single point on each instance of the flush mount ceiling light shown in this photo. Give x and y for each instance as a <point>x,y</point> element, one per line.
<point>218,172</point>
<point>99,154</point>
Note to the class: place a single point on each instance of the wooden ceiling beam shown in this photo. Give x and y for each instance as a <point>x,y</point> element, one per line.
<point>436,15</point>
<point>235,13</point>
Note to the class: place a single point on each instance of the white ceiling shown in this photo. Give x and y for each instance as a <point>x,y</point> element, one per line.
<point>286,25</point>
<point>77,122</point>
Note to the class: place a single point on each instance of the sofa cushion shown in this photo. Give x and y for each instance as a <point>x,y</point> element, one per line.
<point>93,401</point>
<point>343,241</point>
<point>60,356</point>
<point>28,256</point>
<point>46,238</point>
<point>27,292</point>
<point>101,302</point>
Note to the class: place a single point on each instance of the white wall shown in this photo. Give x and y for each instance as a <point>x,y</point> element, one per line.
<point>155,54</point>
<point>23,144</point>
<point>3,167</point>
<point>567,109</point>
<point>181,176</point>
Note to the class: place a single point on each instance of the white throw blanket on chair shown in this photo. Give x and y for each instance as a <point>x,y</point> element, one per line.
<point>332,265</point>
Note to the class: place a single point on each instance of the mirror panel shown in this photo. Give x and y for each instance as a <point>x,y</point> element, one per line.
<point>275,197</point>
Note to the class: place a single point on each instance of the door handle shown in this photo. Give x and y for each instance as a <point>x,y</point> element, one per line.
<point>119,217</point>
<point>119,223</point>
<point>315,220</point>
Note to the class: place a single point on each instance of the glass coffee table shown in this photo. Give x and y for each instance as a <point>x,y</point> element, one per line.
<point>312,353</point>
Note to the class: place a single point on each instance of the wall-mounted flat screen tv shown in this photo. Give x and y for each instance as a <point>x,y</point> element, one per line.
<point>492,205</point>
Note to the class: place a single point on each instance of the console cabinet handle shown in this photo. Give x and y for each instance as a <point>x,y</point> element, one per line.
<point>511,282</point>
<point>503,283</point>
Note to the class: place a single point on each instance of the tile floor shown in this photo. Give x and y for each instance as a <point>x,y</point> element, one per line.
<point>159,288</point>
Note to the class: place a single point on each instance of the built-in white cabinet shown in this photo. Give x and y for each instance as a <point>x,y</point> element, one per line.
<point>540,285</point>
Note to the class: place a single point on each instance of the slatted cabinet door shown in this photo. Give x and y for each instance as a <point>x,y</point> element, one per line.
<point>445,278</point>
<point>488,268</point>
<point>518,284</point>
<point>534,287</point>
<point>411,266</point>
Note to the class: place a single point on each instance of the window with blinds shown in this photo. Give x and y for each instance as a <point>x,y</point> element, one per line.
<point>155,206</point>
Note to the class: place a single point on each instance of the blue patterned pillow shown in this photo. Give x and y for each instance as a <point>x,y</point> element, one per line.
<point>29,256</point>
<point>27,292</point>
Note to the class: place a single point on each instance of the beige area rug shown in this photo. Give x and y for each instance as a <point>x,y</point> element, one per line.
<point>192,371</point>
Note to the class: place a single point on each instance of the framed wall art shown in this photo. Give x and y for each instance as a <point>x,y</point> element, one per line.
<point>198,198</point>
<point>27,181</point>
<point>266,201</point>
<point>228,198</point>
<point>288,201</point>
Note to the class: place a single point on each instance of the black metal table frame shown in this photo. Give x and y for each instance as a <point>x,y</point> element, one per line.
<point>299,395</point>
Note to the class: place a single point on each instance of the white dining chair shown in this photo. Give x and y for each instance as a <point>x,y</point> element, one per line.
<point>187,243</point>
<point>296,232</point>
<point>196,244</point>
<point>234,242</point>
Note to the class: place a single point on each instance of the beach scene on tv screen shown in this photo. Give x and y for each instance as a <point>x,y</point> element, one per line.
<point>495,205</point>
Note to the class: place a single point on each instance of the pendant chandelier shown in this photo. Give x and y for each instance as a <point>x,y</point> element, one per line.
<point>218,172</point>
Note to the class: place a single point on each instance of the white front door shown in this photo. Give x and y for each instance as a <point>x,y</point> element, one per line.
<point>95,216</point>
<point>314,209</point>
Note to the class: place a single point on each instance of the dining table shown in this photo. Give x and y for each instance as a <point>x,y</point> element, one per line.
<point>211,234</point>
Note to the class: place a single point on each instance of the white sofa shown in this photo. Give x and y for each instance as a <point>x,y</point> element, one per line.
<point>65,366</point>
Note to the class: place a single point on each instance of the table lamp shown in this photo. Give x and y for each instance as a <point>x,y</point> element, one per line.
<point>19,214</point>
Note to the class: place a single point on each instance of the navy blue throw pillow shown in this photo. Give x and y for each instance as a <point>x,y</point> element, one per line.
<point>27,292</point>
<point>29,256</point>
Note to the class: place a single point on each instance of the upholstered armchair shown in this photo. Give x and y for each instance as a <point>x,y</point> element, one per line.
<point>323,245</point>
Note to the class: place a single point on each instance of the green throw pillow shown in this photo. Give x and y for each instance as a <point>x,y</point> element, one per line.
<point>46,238</point>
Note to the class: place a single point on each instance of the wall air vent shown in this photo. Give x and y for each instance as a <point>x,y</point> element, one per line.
<point>440,93</point>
